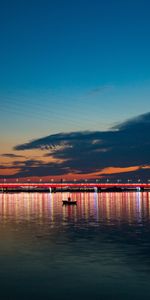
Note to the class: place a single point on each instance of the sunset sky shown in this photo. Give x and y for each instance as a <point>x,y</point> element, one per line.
<point>75,89</point>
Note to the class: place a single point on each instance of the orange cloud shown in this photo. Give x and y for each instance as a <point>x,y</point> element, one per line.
<point>103,172</point>
<point>7,171</point>
<point>146,167</point>
<point>115,170</point>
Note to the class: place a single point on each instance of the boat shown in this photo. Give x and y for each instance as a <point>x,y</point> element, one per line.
<point>72,202</point>
<point>69,201</point>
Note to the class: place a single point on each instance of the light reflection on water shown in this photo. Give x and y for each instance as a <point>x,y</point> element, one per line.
<point>99,249</point>
<point>99,207</point>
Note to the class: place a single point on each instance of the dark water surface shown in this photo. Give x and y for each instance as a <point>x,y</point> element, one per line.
<point>99,249</point>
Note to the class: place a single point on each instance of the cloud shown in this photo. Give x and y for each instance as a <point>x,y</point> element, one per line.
<point>100,90</point>
<point>123,147</point>
<point>137,123</point>
<point>11,155</point>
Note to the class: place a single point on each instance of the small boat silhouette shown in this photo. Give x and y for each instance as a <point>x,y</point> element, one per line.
<point>69,201</point>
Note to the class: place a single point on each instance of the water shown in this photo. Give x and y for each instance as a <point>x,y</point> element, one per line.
<point>99,249</point>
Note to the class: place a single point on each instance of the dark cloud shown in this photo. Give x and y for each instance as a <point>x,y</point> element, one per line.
<point>11,155</point>
<point>125,145</point>
<point>137,123</point>
<point>38,168</point>
<point>28,162</point>
<point>3,167</point>
<point>51,141</point>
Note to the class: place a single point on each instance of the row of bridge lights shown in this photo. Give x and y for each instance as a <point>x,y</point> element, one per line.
<point>86,180</point>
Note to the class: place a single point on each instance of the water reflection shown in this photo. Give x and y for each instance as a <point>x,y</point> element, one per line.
<point>128,207</point>
<point>98,249</point>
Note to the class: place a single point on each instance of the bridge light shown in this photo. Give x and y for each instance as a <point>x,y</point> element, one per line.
<point>139,180</point>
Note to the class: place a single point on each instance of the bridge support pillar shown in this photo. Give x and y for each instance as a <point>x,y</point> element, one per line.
<point>95,189</point>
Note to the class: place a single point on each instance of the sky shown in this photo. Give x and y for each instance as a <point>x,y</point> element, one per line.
<point>75,89</point>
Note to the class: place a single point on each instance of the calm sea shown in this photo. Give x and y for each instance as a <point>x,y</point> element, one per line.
<point>99,249</point>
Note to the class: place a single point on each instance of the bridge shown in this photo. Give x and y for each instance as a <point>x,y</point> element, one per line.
<point>73,186</point>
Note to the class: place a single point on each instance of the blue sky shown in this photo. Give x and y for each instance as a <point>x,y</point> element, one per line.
<point>73,44</point>
<point>71,66</point>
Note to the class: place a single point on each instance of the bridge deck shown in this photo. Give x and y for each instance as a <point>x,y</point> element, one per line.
<point>74,185</point>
